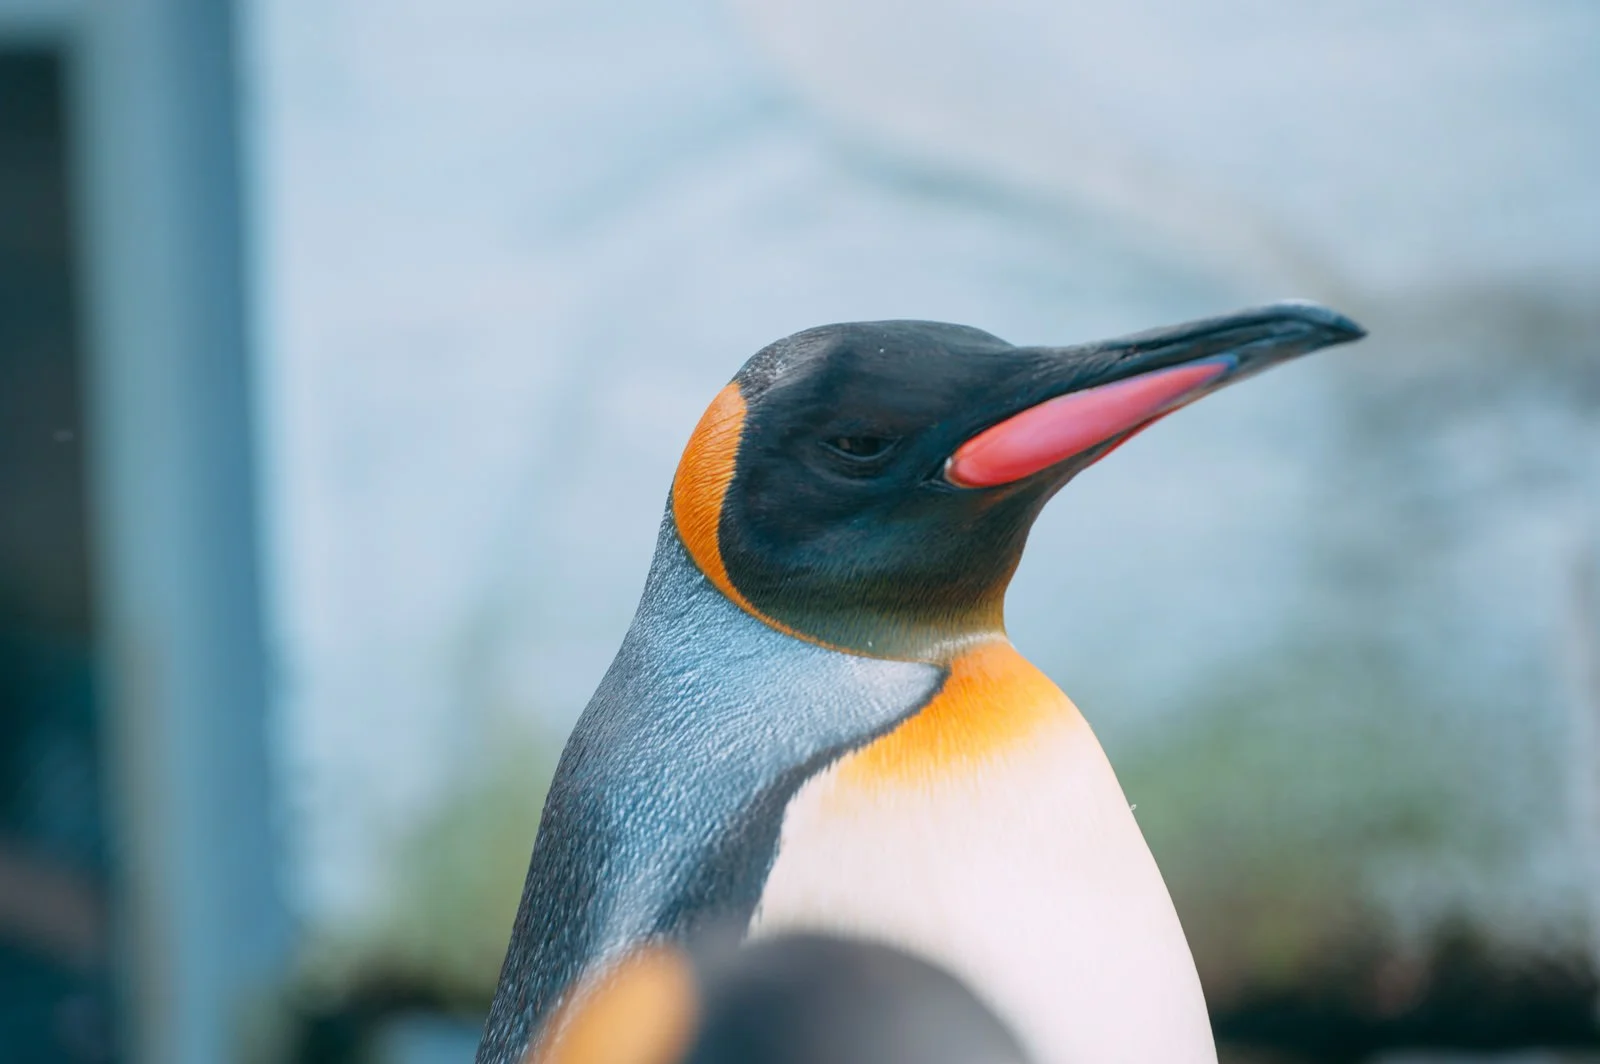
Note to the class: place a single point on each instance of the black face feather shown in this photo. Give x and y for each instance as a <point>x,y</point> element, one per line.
<point>839,521</point>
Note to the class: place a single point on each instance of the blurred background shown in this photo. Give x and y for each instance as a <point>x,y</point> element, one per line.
<point>347,348</point>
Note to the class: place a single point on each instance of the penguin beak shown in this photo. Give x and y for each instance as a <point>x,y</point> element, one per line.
<point>1138,380</point>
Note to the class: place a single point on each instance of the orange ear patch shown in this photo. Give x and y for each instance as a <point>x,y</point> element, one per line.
<point>643,1011</point>
<point>701,485</point>
<point>993,700</point>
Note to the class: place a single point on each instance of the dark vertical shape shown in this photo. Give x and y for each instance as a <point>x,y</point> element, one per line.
<point>53,979</point>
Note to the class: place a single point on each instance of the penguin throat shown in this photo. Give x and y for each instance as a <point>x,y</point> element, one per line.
<point>937,637</point>
<point>857,621</point>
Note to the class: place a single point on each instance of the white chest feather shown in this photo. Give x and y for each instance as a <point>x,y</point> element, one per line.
<point>1023,871</point>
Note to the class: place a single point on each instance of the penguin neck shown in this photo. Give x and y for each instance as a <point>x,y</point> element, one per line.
<point>916,630</point>
<point>939,638</point>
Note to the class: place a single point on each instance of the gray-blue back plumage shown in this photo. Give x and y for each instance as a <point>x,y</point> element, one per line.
<point>665,808</point>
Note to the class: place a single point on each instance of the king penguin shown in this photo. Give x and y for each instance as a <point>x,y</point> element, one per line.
<point>817,722</point>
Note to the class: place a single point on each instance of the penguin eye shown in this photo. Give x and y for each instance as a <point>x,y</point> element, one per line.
<point>860,446</point>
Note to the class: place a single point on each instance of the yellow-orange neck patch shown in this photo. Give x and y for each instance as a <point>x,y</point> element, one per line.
<point>701,485</point>
<point>993,700</point>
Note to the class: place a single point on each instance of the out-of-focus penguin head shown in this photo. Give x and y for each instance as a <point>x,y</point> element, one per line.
<point>870,486</point>
<point>794,999</point>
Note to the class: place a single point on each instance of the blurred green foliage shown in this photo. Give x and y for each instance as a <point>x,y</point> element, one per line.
<point>456,884</point>
<point>1311,815</point>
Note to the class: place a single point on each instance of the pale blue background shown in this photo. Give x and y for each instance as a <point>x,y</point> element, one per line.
<point>509,249</point>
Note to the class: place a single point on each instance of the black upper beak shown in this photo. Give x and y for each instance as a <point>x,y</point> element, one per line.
<point>1255,339</point>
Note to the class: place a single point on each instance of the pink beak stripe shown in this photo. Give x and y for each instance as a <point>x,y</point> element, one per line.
<point>1070,424</point>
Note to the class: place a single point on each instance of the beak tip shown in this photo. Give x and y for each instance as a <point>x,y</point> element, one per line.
<point>1336,327</point>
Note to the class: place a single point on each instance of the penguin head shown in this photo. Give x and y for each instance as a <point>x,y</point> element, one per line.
<point>870,486</point>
